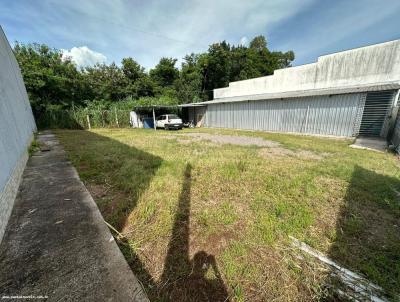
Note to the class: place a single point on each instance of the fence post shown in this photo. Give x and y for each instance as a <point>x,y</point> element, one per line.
<point>116,117</point>
<point>154,119</point>
<point>88,121</point>
<point>73,110</point>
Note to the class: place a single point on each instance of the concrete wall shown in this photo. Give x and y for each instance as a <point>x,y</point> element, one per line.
<point>16,129</point>
<point>366,65</point>
<point>395,139</point>
<point>337,115</point>
<point>396,136</point>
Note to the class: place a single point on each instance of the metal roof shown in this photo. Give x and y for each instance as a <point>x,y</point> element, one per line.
<point>301,93</point>
<point>155,106</point>
<point>201,104</point>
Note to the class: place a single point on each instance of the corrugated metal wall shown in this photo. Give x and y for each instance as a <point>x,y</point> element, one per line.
<point>326,115</point>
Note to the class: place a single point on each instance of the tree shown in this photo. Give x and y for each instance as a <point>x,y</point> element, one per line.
<point>165,73</point>
<point>265,61</point>
<point>138,82</point>
<point>218,67</point>
<point>243,64</point>
<point>54,81</point>
<point>132,69</point>
<point>189,85</point>
<point>106,82</point>
<point>259,43</point>
<point>282,59</point>
<point>145,86</point>
<point>49,78</point>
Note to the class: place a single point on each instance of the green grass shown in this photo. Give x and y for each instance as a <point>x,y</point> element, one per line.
<point>181,204</point>
<point>33,147</point>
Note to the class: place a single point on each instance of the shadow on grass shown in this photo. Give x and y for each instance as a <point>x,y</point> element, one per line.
<point>368,229</point>
<point>184,279</point>
<point>128,172</point>
<point>117,173</point>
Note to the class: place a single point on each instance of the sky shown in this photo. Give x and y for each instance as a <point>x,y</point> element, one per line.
<point>96,31</point>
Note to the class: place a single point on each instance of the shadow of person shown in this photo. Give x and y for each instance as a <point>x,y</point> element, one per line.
<point>183,279</point>
<point>205,281</point>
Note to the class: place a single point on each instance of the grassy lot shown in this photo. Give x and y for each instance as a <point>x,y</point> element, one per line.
<point>207,221</point>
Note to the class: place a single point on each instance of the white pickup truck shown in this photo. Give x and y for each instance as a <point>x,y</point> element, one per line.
<point>169,121</point>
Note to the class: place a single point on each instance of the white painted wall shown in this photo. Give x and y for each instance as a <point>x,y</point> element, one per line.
<point>379,63</point>
<point>16,129</point>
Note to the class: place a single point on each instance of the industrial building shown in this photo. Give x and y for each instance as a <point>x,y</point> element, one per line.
<point>350,93</point>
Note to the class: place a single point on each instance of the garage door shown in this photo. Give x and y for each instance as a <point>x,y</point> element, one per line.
<point>377,105</point>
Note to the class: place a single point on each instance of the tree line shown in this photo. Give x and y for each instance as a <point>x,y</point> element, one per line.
<point>54,82</point>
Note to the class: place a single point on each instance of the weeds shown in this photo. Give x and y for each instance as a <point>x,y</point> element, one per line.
<point>33,147</point>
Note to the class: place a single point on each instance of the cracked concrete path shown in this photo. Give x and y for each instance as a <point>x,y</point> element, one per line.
<point>56,243</point>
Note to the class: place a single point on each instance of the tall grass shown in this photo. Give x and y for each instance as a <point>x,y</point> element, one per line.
<point>80,118</point>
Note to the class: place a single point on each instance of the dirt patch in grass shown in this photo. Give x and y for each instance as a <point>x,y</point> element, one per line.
<point>228,139</point>
<point>283,152</point>
<point>110,202</point>
<point>271,148</point>
<point>215,242</point>
<point>97,191</point>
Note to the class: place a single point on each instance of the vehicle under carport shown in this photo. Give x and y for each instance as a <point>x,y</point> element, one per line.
<point>147,114</point>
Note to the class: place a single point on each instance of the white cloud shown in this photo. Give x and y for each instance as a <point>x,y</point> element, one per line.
<point>148,30</point>
<point>83,56</point>
<point>244,41</point>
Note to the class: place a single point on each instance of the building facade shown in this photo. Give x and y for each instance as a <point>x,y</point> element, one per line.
<point>348,94</point>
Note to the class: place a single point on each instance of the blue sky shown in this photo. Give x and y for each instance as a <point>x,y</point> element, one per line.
<point>107,30</point>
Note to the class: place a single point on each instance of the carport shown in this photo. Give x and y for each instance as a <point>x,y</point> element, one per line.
<point>194,112</point>
<point>147,114</point>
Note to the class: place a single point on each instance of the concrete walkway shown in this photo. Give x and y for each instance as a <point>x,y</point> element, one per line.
<point>56,243</point>
<point>370,143</point>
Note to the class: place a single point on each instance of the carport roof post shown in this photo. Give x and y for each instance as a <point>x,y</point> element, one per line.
<point>154,120</point>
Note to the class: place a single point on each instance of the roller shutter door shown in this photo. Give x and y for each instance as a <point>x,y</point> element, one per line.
<point>377,106</point>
